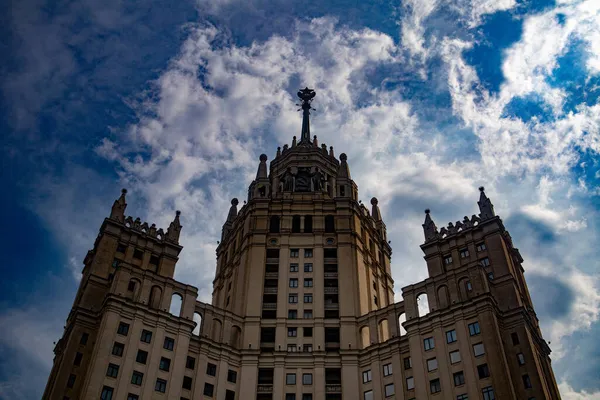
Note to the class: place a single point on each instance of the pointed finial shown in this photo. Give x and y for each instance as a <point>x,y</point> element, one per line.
<point>343,170</point>
<point>306,95</point>
<point>375,213</point>
<point>174,230</point>
<point>315,141</point>
<point>486,207</point>
<point>232,210</point>
<point>331,151</point>
<point>278,152</point>
<point>294,142</point>
<point>117,211</point>
<point>262,167</point>
<point>429,228</point>
<point>324,148</point>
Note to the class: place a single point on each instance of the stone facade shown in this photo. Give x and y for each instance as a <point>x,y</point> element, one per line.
<point>303,304</point>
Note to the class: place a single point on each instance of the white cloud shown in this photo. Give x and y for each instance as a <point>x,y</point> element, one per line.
<point>568,393</point>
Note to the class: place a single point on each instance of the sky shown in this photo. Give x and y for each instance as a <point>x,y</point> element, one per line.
<point>175,101</point>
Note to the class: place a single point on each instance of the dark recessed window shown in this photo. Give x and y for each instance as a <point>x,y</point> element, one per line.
<point>290,379</point>
<point>146,336</point>
<point>308,253</point>
<point>154,260</point>
<point>387,369</point>
<point>107,393</point>
<point>121,248</point>
<point>481,246</point>
<point>296,224</point>
<point>138,254</point>
<point>488,393</point>
<point>307,379</point>
<point>292,314</point>
<point>451,336</point>
<point>137,378</point>
<point>308,282</point>
<point>112,371</point>
<point>330,253</point>
<point>428,343</point>
<point>515,338</point>
<point>463,396</point>
<point>169,343</point>
<point>308,314</point>
<point>229,395</point>
<point>367,376</point>
<point>123,329</point>
<point>274,224</point>
<point>483,371</point>
<point>84,338</point>
<point>187,383</point>
<point>521,359</point>
<point>161,385</point>
<point>464,253</point>
<point>407,363</point>
<point>292,332</point>
<point>329,224</point>
<point>308,267</point>
<point>211,369</point>
<point>165,364</point>
<point>231,376</point>
<point>527,382</point>
<point>459,378</point>
<point>132,396</point>
<point>115,263</point>
<point>293,298</point>
<point>448,260</point>
<point>307,396</point>
<point>474,329</point>
<point>434,386</point>
<point>290,396</point>
<point>293,267</point>
<point>141,356</point>
<point>131,286</point>
<point>208,389</point>
<point>293,282</point>
<point>71,381</point>
<point>485,262</point>
<point>307,332</point>
<point>78,358</point>
<point>308,298</point>
<point>190,363</point>
<point>294,253</point>
<point>308,224</point>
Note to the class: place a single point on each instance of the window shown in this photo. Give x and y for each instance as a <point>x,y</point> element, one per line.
<point>459,378</point>
<point>131,286</point>
<point>190,363</point>
<point>292,314</point>
<point>308,267</point>
<point>78,358</point>
<point>307,348</point>
<point>123,329</point>
<point>490,276</point>
<point>410,383</point>
<point>84,338</point>
<point>488,393</point>
<point>107,393</point>
<point>307,396</point>
<point>454,357</point>
<point>515,338</point>
<point>474,329</point>
<point>293,298</point>
<point>137,378</point>
<point>481,246</point>
<point>132,396</point>
<point>462,397</point>
<point>291,348</point>
<point>307,332</point>
<point>448,260</point>
<point>229,395</point>
<point>153,260</point>
<point>121,248</point>
<point>407,363</point>
<point>432,364</point>
<point>308,253</point>
<point>274,224</point>
<point>290,396</point>
<point>293,282</point>
<point>451,336</point>
<point>211,369</point>
<point>483,371</point>
<point>292,332</point>
<point>165,364</point>
<point>368,395</point>
<point>112,371</point>
<point>231,376</point>
<point>141,356</point>
<point>146,336</point>
<point>71,381</point>
<point>469,286</point>
<point>161,385</point>
<point>527,382</point>
<point>367,376</point>
<point>521,359</point>
<point>434,386</point>
<point>485,262</point>
<point>169,343</point>
<point>387,369</point>
<point>293,267</point>
<point>329,253</point>
<point>290,379</point>
<point>329,224</point>
<point>375,299</point>
<point>308,224</point>
<point>208,389</point>
<point>296,224</point>
<point>294,253</point>
<point>308,298</point>
<point>308,282</point>
<point>428,343</point>
<point>307,379</point>
<point>187,383</point>
<point>138,254</point>
<point>478,349</point>
<point>389,390</point>
<point>464,253</point>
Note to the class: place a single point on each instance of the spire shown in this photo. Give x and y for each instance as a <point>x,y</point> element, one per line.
<point>306,95</point>
<point>262,167</point>
<point>375,213</point>
<point>232,211</point>
<point>343,170</point>
<point>117,211</point>
<point>429,228</point>
<point>486,207</point>
<point>174,230</point>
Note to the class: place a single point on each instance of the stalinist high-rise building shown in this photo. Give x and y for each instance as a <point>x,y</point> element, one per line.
<point>303,303</point>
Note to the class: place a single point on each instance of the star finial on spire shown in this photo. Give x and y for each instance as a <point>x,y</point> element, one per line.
<point>306,95</point>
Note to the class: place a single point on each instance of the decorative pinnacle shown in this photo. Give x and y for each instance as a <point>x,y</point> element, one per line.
<point>427,211</point>
<point>481,188</point>
<point>178,213</point>
<point>123,191</point>
<point>306,95</point>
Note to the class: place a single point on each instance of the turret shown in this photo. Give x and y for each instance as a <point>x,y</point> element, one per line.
<point>174,230</point>
<point>486,207</point>
<point>429,228</point>
<point>118,209</point>
<point>230,218</point>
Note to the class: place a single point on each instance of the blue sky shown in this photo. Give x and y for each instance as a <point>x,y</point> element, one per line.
<point>176,100</point>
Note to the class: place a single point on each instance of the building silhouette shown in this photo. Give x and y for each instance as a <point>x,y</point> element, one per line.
<point>303,303</point>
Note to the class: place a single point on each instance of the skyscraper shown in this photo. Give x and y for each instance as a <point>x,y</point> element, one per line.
<point>303,303</point>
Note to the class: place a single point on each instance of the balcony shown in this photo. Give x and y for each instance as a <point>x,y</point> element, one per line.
<point>331,290</point>
<point>274,275</point>
<point>270,290</point>
<point>332,306</point>
<point>333,388</point>
<point>270,306</point>
<point>264,388</point>
<point>331,275</point>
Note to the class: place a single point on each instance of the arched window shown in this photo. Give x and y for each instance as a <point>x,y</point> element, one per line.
<point>133,289</point>
<point>308,224</point>
<point>296,224</point>
<point>155,297</point>
<point>274,224</point>
<point>384,331</point>
<point>329,224</point>
<point>236,337</point>
<point>422,304</point>
<point>443,299</point>
<point>365,336</point>
<point>198,321</point>
<point>216,331</point>
<point>401,320</point>
<point>176,302</point>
